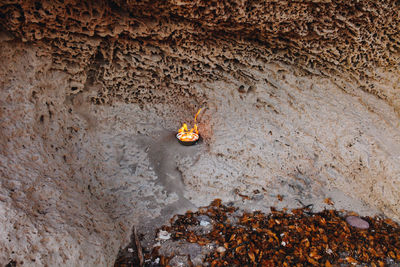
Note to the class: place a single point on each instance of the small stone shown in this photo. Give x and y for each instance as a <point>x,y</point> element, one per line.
<point>130,250</point>
<point>357,222</point>
<point>204,220</point>
<point>204,223</point>
<point>164,235</point>
<point>221,249</point>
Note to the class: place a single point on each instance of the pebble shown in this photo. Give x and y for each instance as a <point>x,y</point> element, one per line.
<point>357,222</point>
<point>221,249</point>
<point>204,223</point>
<point>204,220</point>
<point>164,235</point>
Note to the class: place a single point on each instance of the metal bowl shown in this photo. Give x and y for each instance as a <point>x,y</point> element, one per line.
<point>187,143</point>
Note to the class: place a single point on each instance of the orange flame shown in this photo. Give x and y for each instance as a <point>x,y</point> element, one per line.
<point>186,135</point>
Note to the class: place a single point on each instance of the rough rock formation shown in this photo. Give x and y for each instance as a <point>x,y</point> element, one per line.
<point>121,44</point>
<point>302,99</point>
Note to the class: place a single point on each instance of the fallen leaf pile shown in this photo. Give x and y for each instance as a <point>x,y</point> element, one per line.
<point>296,238</point>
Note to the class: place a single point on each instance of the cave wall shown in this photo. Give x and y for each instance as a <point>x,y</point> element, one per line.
<point>48,214</point>
<point>301,99</point>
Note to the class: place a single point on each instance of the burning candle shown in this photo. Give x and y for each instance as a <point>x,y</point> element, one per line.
<point>189,137</point>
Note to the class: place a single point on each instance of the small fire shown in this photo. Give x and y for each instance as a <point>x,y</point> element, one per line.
<point>192,135</point>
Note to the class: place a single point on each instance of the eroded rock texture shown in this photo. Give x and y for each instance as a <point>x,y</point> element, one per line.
<point>301,99</point>
<point>125,44</point>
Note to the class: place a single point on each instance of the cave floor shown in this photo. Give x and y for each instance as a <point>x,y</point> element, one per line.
<point>165,156</point>
<point>225,235</point>
<point>147,179</point>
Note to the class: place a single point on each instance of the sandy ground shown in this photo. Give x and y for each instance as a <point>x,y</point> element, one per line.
<point>155,153</point>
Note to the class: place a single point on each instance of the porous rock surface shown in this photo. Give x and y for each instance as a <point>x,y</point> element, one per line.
<point>301,99</point>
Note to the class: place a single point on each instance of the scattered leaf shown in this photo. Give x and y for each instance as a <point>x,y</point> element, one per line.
<point>351,260</point>
<point>328,201</point>
<point>299,237</point>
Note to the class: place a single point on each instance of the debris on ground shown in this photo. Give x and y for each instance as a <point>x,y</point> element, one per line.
<point>132,255</point>
<point>281,238</point>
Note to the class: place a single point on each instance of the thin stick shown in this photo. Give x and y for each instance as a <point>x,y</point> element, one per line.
<point>138,247</point>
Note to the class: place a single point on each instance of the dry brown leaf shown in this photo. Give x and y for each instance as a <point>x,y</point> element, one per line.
<point>352,213</point>
<point>255,236</point>
<point>392,255</point>
<point>391,223</point>
<point>315,255</point>
<point>351,260</point>
<point>312,261</point>
<point>244,196</point>
<point>328,201</point>
<point>305,242</point>
<point>252,257</point>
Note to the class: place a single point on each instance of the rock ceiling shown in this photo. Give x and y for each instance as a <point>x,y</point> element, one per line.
<point>152,45</point>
